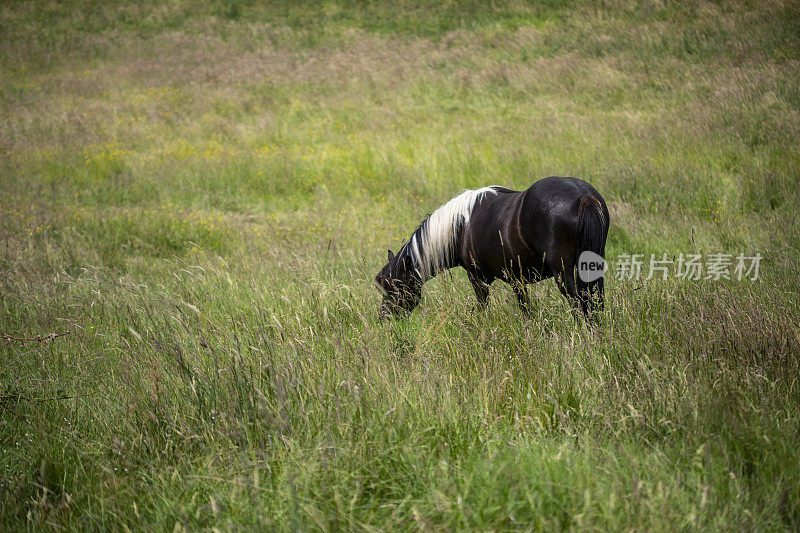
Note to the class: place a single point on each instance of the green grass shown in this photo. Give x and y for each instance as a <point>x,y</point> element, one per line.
<point>201,193</point>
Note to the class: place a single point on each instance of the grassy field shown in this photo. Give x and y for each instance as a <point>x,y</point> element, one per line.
<point>198,195</point>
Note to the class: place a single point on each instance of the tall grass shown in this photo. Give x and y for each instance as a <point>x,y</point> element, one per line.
<point>199,195</point>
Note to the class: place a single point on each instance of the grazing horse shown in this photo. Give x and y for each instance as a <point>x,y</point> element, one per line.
<point>496,233</point>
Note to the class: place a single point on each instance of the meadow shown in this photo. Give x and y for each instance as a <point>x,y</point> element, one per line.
<point>196,197</point>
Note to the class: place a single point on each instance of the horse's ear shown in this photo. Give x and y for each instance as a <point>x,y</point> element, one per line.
<point>391,255</point>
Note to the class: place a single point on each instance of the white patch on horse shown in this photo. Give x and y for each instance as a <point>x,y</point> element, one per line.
<point>440,230</point>
<point>414,249</point>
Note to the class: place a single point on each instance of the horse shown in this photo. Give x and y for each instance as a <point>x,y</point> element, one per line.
<point>519,237</point>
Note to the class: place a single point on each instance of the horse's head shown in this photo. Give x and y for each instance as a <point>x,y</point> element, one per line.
<point>400,284</point>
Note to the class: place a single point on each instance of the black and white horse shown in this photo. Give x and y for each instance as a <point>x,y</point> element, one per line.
<point>496,233</point>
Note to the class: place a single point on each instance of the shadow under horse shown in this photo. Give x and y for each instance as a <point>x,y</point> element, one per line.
<point>519,237</point>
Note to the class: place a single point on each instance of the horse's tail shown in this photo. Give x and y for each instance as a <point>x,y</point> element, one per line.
<point>590,236</point>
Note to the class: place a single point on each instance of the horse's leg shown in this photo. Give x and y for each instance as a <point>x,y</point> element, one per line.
<point>521,292</point>
<point>566,284</point>
<point>596,300</point>
<point>481,289</point>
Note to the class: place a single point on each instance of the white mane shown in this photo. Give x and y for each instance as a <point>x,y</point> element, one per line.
<point>431,246</point>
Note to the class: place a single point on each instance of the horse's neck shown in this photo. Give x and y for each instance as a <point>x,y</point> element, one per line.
<point>436,265</point>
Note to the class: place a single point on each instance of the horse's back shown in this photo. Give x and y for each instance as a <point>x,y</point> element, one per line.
<point>556,201</point>
<point>556,191</point>
<point>549,214</point>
